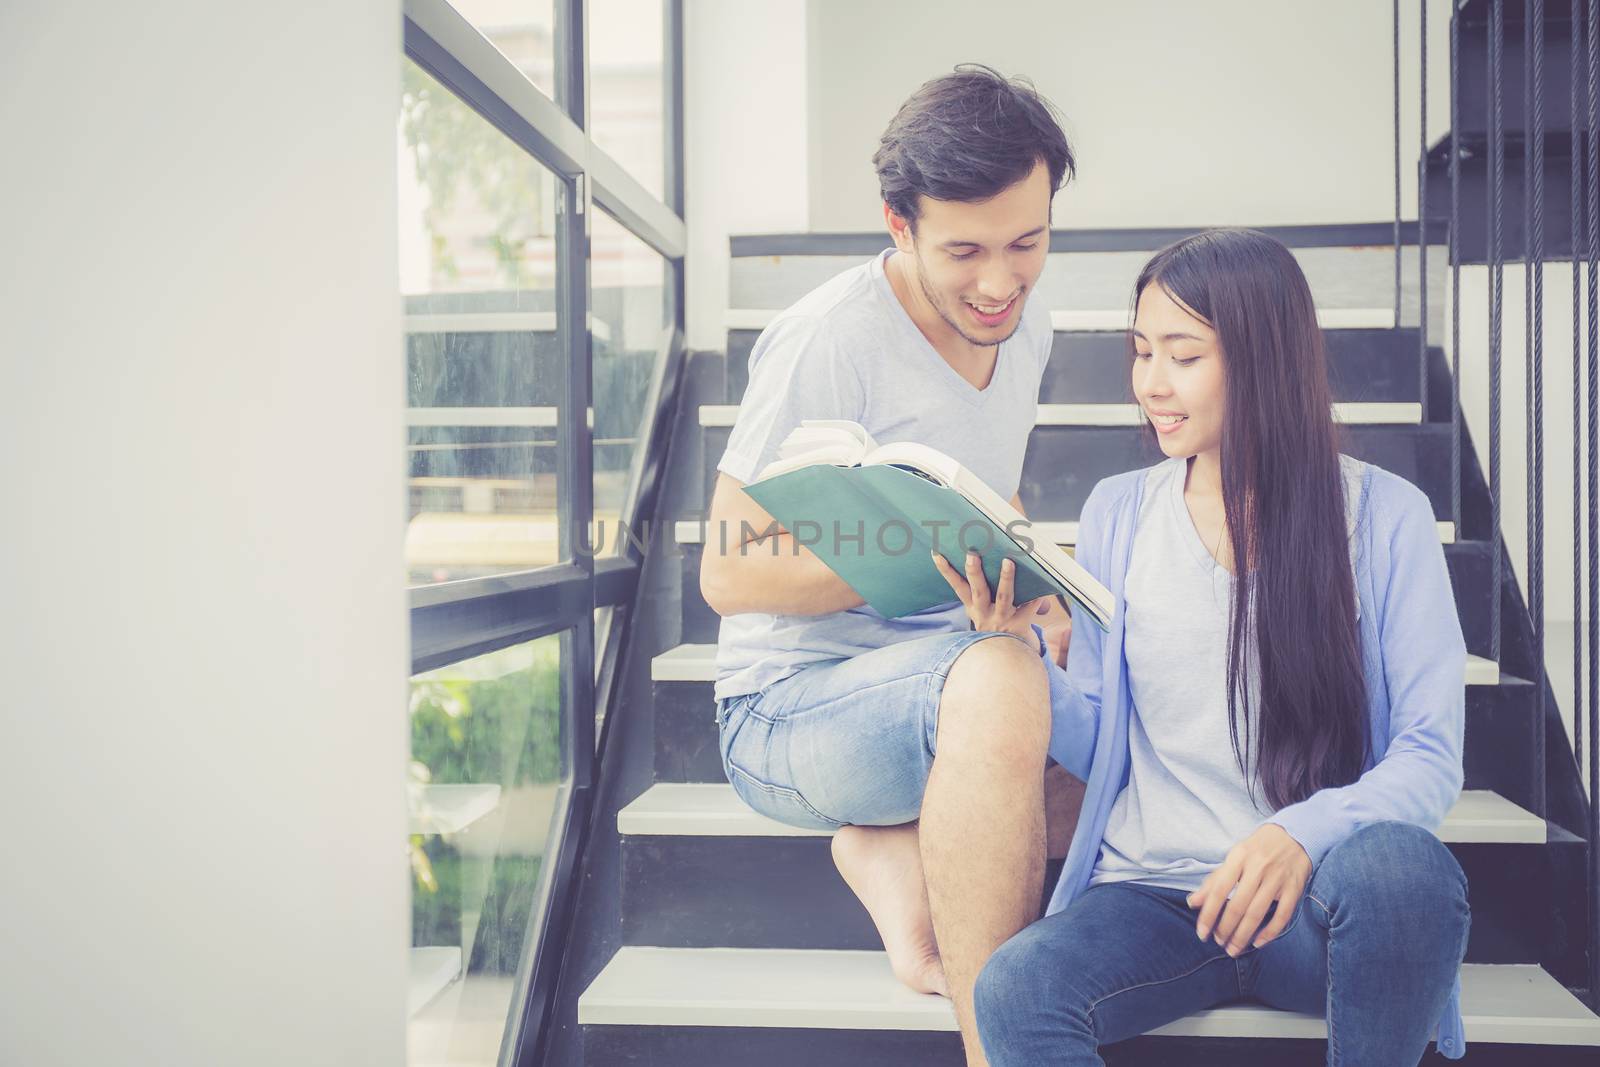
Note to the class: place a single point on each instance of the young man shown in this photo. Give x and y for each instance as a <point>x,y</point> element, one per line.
<point>918,740</point>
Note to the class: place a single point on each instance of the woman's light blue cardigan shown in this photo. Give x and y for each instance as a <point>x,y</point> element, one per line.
<point>1412,651</point>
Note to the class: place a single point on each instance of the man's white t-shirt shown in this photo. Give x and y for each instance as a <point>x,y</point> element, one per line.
<point>849,350</point>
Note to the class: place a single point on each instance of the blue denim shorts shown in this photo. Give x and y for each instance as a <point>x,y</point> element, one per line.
<point>842,742</point>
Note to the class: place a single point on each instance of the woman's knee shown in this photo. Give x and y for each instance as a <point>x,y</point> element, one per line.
<point>994,993</point>
<point>1016,983</point>
<point>1395,865</point>
<point>999,998</point>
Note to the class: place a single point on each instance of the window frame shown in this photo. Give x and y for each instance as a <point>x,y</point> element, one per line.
<point>452,621</point>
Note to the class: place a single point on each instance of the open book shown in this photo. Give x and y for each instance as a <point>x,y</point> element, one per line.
<point>874,514</point>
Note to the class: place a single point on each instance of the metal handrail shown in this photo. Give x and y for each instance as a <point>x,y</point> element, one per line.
<point>1585,243</point>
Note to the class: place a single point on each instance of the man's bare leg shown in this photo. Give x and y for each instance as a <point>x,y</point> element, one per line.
<point>983,826</point>
<point>882,865</point>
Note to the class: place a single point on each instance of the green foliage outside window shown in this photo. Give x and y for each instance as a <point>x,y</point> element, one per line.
<point>455,150</point>
<point>499,729</point>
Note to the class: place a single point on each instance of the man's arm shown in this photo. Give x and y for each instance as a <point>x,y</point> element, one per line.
<point>750,563</point>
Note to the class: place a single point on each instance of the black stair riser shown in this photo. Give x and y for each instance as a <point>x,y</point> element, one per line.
<point>1092,368</point>
<point>712,1046</point>
<point>1475,88</point>
<point>784,892</point>
<point>700,623</point>
<point>1498,747</point>
<point>686,733</point>
<point>1498,743</point>
<point>1470,578</point>
<point>760,892</point>
<point>698,1046</point>
<point>1364,366</point>
<point>1064,463</point>
<point>1473,239</point>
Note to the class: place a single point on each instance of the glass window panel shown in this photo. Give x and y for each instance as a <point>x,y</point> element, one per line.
<point>524,31</point>
<point>626,86</point>
<point>484,369</point>
<point>629,283</point>
<point>602,630</point>
<point>485,779</point>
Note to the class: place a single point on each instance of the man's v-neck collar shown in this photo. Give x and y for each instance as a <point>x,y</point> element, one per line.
<point>958,385</point>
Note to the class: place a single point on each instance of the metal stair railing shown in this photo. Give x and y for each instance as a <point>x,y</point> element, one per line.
<point>1585,267</point>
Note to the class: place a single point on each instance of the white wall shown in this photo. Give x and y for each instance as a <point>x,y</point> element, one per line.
<point>204,633</point>
<point>744,140</point>
<point>1180,113</point>
<point>1231,112</point>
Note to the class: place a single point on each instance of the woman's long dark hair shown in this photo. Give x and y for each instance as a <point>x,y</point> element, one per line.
<point>1283,495</point>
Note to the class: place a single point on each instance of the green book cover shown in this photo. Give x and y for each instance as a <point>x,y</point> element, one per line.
<point>876,527</point>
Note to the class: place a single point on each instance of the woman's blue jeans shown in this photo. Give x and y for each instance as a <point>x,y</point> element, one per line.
<point>1375,945</point>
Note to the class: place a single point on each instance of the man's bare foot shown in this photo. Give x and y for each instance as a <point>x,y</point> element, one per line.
<point>882,865</point>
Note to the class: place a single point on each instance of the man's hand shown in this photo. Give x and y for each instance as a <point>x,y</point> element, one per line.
<point>1267,866</point>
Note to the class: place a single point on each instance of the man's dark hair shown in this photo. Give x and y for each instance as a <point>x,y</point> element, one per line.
<point>968,136</point>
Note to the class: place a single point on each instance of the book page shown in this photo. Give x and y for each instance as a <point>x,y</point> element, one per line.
<point>855,430</point>
<point>838,442</point>
<point>920,458</point>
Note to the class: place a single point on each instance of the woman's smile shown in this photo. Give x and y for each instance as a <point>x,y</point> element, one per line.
<point>1166,422</point>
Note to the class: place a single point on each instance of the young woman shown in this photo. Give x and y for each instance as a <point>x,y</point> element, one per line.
<point>1273,725</point>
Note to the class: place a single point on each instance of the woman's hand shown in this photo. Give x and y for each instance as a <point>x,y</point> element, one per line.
<point>1058,638</point>
<point>1267,866</point>
<point>997,614</point>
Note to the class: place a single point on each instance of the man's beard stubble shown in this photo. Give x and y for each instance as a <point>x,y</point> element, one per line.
<point>938,305</point>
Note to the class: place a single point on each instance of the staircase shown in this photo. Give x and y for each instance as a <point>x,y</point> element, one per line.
<point>735,941</point>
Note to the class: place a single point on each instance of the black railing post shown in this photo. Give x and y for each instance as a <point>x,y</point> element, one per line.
<point>1592,175</point>
<point>1533,80</point>
<point>1577,156</point>
<point>1396,11</point>
<point>1422,213</point>
<point>1497,28</point>
<point>1455,269</point>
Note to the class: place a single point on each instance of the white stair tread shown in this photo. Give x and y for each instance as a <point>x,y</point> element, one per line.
<point>689,531</point>
<point>693,532</point>
<point>447,809</point>
<point>698,663</point>
<point>1482,671</point>
<point>432,968</point>
<point>1109,319</point>
<point>685,663</point>
<point>723,415</point>
<point>711,809</point>
<point>837,990</point>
